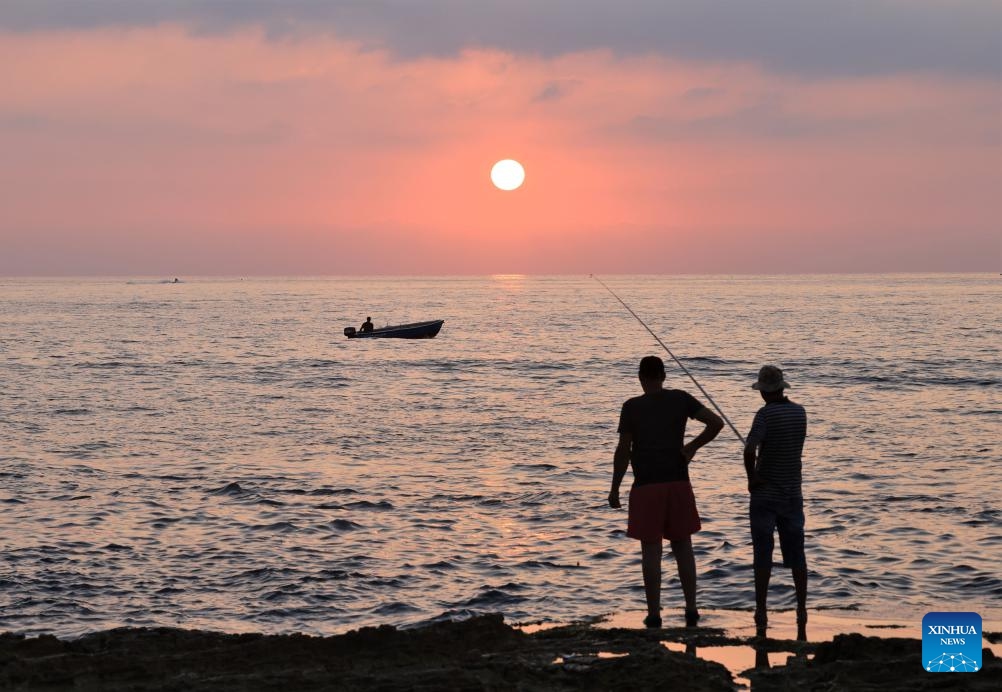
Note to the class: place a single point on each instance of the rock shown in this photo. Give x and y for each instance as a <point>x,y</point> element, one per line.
<point>481,653</point>
<point>859,663</point>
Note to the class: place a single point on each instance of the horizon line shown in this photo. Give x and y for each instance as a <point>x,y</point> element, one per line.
<point>496,275</point>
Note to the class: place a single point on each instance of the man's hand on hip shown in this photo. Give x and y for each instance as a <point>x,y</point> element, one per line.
<point>689,451</point>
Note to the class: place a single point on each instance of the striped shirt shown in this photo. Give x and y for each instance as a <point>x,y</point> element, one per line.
<point>778,433</point>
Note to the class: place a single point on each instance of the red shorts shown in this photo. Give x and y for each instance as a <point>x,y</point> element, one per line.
<point>662,510</point>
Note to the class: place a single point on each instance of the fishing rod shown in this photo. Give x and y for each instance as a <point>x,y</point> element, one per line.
<point>677,361</point>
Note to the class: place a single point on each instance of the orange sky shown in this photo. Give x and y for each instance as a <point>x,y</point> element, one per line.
<point>163,150</point>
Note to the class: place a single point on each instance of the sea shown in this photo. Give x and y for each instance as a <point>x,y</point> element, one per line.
<point>215,454</point>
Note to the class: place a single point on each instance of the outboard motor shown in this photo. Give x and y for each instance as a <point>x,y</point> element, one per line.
<point>349,331</point>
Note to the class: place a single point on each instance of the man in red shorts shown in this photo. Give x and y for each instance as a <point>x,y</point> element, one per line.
<point>662,506</point>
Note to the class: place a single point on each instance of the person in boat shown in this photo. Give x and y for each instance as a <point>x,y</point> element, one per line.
<point>773,463</point>
<point>662,505</point>
<point>366,326</point>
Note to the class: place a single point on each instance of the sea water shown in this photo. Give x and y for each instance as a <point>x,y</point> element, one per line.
<point>214,453</point>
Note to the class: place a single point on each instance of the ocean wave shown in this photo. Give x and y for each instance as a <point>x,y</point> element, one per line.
<point>438,474</point>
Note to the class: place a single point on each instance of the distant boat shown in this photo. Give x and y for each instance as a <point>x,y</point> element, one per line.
<point>414,330</point>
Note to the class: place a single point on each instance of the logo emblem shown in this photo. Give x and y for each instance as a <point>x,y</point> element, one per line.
<point>951,642</point>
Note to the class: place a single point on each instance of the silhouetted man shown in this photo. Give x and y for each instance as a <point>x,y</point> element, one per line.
<point>366,326</point>
<point>662,506</point>
<point>773,463</point>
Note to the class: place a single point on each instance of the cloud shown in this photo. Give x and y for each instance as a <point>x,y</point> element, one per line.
<point>23,122</point>
<point>556,90</point>
<point>769,117</point>
<point>163,150</point>
<point>702,93</point>
<point>839,37</point>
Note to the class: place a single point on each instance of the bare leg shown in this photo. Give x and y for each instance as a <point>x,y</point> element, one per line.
<point>686,563</point>
<point>761,657</point>
<point>762,575</point>
<point>800,585</point>
<point>651,562</point>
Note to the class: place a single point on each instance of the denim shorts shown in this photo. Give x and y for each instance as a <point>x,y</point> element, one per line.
<point>786,514</point>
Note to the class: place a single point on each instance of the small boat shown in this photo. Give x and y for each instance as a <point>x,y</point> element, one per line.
<point>414,330</point>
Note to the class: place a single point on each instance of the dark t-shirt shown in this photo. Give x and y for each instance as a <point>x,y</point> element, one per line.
<point>657,423</point>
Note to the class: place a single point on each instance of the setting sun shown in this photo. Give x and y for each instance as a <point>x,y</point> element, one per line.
<point>507,174</point>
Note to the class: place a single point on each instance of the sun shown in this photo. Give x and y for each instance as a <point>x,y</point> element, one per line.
<point>507,174</point>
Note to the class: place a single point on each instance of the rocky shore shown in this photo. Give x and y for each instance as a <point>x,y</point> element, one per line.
<point>482,653</point>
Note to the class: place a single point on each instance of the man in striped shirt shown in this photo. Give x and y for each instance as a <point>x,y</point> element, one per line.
<point>773,463</point>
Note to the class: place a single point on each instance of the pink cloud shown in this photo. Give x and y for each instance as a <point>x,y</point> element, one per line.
<point>128,149</point>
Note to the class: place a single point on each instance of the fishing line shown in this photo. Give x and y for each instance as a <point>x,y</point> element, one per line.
<point>677,361</point>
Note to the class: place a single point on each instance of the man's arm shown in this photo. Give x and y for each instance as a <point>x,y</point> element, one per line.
<point>714,424</point>
<point>755,437</point>
<point>750,457</point>
<point>620,462</point>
